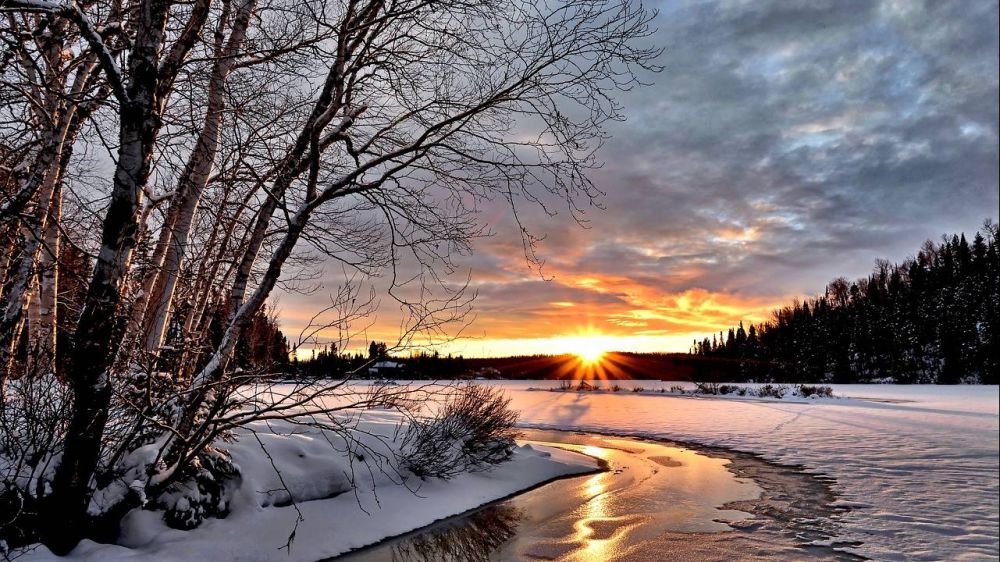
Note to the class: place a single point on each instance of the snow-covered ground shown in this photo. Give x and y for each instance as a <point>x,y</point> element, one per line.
<point>336,516</point>
<point>919,464</point>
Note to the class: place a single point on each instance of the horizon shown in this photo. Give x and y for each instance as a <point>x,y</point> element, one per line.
<point>578,341</point>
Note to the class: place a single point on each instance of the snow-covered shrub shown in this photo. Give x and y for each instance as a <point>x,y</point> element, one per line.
<point>677,389</point>
<point>728,388</point>
<point>706,387</point>
<point>204,493</point>
<point>638,389</point>
<point>616,388</point>
<point>472,430</point>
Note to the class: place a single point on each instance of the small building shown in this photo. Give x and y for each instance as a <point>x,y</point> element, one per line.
<point>385,369</point>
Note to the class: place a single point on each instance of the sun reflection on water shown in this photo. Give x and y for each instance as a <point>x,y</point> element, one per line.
<point>595,544</point>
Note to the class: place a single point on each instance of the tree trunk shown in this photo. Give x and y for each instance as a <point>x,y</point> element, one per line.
<point>66,507</point>
<point>191,186</point>
<point>33,233</point>
<point>43,320</point>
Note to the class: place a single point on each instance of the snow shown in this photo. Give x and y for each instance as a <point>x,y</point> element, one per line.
<point>917,464</point>
<point>343,504</point>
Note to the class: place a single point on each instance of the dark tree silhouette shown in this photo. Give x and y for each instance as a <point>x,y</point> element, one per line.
<point>931,319</point>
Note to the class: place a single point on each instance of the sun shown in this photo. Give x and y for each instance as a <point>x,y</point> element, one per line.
<point>589,349</point>
<point>591,355</point>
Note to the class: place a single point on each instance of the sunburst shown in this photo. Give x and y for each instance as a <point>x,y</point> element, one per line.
<point>590,349</point>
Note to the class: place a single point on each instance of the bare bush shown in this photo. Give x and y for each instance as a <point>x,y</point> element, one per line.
<point>772,391</point>
<point>706,387</point>
<point>728,388</point>
<point>806,391</point>
<point>473,430</point>
<point>33,419</point>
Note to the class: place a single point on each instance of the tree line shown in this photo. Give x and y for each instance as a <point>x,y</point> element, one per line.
<point>931,319</point>
<point>329,362</point>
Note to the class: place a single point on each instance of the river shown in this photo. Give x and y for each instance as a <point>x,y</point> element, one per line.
<point>652,501</point>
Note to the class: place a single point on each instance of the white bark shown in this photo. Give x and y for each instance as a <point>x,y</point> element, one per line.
<point>191,186</point>
<point>43,317</point>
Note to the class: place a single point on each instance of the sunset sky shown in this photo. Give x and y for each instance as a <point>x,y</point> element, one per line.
<point>785,143</point>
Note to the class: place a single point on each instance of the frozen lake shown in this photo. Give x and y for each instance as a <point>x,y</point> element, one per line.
<point>919,466</point>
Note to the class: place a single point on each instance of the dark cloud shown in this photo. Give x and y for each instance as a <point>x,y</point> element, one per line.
<point>833,132</point>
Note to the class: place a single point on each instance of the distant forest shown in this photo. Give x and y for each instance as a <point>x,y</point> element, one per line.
<point>931,319</point>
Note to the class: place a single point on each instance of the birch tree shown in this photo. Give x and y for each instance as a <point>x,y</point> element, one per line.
<point>252,138</point>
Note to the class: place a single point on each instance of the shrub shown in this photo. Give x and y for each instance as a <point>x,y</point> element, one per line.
<point>706,387</point>
<point>474,429</point>
<point>677,389</point>
<point>585,386</point>
<point>616,388</point>
<point>821,391</point>
<point>188,502</point>
<point>638,389</point>
<point>772,391</point>
<point>34,415</point>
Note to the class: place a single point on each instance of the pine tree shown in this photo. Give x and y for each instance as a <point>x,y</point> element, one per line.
<point>933,318</point>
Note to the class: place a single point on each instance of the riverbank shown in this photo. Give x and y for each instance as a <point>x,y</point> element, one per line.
<point>304,496</point>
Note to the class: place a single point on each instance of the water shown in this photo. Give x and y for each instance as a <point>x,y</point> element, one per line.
<point>654,498</point>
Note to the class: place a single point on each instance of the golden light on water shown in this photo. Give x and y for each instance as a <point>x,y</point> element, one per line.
<point>593,513</point>
<point>600,533</point>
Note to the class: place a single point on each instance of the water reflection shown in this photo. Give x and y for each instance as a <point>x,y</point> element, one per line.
<point>648,489</point>
<point>594,513</point>
<point>471,539</point>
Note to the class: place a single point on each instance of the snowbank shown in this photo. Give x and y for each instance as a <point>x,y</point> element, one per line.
<point>334,495</point>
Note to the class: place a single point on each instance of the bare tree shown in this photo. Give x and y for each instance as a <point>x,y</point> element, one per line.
<point>252,140</point>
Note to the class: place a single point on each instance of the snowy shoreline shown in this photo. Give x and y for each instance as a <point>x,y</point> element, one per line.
<point>915,472</point>
<point>335,518</point>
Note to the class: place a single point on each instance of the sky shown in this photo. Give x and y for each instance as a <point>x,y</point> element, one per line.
<point>785,143</point>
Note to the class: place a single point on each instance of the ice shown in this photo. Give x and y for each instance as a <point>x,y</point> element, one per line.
<point>918,467</point>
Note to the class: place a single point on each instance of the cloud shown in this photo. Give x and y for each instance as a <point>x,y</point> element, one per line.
<point>785,143</point>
